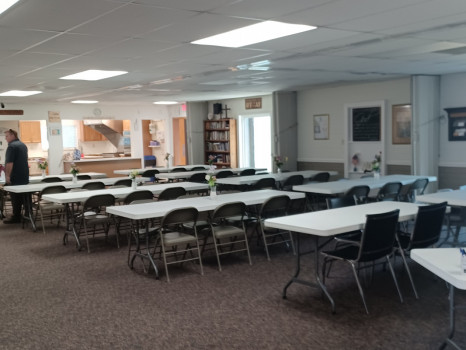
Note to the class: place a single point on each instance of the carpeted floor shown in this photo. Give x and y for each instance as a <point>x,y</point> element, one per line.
<point>54,297</point>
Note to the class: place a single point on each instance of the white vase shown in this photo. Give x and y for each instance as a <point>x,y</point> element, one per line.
<point>213,191</point>
<point>376,174</point>
<point>75,178</point>
<point>134,184</point>
<point>279,171</point>
<point>43,173</point>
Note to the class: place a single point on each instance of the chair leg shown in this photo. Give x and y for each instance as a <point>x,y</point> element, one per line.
<point>409,272</point>
<point>264,238</point>
<point>361,292</point>
<point>394,278</point>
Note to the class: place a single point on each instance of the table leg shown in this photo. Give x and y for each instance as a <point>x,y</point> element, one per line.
<point>27,204</point>
<point>449,339</point>
<point>295,278</point>
<point>71,225</point>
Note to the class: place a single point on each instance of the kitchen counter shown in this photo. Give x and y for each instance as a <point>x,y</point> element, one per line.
<point>104,165</point>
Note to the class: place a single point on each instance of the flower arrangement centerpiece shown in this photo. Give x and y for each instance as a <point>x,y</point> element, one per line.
<point>133,174</point>
<point>42,165</point>
<point>74,171</point>
<point>167,158</point>
<point>376,162</point>
<point>211,161</point>
<point>279,162</point>
<point>212,182</point>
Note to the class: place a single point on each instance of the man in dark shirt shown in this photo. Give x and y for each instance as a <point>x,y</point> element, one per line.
<point>16,171</point>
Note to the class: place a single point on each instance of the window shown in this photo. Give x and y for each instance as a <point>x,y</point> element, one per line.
<point>70,139</point>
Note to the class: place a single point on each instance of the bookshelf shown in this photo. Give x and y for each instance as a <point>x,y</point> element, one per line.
<point>220,141</point>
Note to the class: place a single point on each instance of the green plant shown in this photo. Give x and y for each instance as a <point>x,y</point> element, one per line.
<point>133,173</point>
<point>74,169</point>
<point>42,164</point>
<point>211,180</point>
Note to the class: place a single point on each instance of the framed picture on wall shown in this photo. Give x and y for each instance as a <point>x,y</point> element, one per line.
<point>321,126</point>
<point>401,124</point>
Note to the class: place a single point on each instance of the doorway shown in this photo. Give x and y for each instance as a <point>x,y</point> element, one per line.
<point>256,141</point>
<point>179,141</point>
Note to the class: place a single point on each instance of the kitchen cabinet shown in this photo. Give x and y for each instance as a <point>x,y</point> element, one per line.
<point>30,131</point>
<point>89,134</point>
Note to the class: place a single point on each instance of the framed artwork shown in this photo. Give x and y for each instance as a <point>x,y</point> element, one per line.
<point>456,124</point>
<point>321,126</point>
<point>401,124</point>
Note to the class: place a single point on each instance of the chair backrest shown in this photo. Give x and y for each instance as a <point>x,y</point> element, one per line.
<point>53,189</point>
<point>98,202</point>
<point>390,191</point>
<point>51,179</point>
<point>247,172</point>
<point>171,193</point>
<point>233,209</point>
<point>199,177</point>
<point>178,170</point>
<point>274,207</point>
<point>138,195</point>
<point>293,180</point>
<point>378,236</point>
<point>180,216</point>
<point>428,226</point>
<point>96,185</point>
<point>151,174</point>
<point>340,202</point>
<point>123,183</point>
<point>84,177</point>
<point>197,168</point>
<point>359,192</point>
<point>320,177</point>
<point>266,182</point>
<point>416,188</point>
<point>223,174</point>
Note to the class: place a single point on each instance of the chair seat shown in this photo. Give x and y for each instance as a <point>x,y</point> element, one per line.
<point>174,238</point>
<point>227,231</point>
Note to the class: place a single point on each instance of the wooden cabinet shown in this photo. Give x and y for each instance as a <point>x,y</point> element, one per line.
<point>220,141</point>
<point>89,134</point>
<point>30,131</point>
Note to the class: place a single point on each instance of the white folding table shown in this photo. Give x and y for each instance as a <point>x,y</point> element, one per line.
<point>446,264</point>
<point>140,212</point>
<point>160,169</point>
<point>340,187</point>
<point>328,223</point>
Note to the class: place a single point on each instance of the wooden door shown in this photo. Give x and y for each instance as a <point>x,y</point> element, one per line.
<point>179,141</point>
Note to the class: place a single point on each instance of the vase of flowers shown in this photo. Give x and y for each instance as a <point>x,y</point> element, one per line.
<point>42,164</point>
<point>167,159</point>
<point>376,164</point>
<point>355,161</point>
<point>279,163</point>
<point>132,175</point>
<point>212,182</point>
<point>74,171</point>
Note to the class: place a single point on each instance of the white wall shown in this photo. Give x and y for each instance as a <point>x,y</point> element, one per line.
<point>452,94</point>
<point>331,100</point>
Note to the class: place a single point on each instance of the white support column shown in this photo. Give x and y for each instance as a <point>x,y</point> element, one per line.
<point>425,97</point>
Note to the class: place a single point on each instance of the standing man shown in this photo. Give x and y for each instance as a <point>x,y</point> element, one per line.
<point>16,171</point>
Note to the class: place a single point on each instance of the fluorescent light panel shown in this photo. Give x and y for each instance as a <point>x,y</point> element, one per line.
<point>165,103</point>
<point>94,74</point>
<point>20,93</point>
<point>253,34</point>
<point>6,4</point>
<point>85,101</point>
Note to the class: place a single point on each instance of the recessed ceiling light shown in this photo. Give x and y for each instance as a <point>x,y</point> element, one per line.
<point>253,34</point>
<point>6,4</point>
<point>85,101</point>
<point>20,93</point>
<point>94,74</point>
<point>165,103</point>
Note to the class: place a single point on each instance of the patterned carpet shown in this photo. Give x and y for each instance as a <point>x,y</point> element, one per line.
<point>55,297</point>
